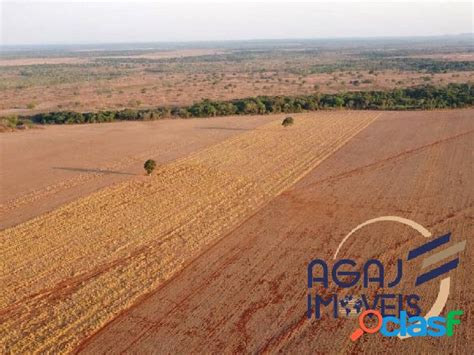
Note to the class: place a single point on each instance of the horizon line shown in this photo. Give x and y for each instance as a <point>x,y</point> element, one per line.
<point>201,41</point>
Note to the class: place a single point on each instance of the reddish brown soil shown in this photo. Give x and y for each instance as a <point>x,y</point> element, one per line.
<point>247,292</point>
<point>44,168</point>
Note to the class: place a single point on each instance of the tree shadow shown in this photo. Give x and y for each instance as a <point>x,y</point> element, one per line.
<point>94,171</point>
<point>226,128</point>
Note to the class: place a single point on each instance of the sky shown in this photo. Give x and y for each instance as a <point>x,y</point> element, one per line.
<point>76,22</point>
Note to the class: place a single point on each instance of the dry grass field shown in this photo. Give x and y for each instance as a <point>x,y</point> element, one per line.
<point>82,264</point>
<point>139,90</point>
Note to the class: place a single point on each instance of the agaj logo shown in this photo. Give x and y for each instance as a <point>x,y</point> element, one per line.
<point>410,322</point>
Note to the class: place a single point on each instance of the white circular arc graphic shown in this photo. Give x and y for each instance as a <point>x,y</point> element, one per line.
<point>444,285</point>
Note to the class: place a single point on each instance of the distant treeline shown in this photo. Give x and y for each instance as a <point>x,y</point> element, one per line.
<point>421,65</point>
<point>416,98</point>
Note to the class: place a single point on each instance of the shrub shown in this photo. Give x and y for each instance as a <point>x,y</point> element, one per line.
<point>8,123</point>
<point>149,166</point>
<point>288,122</point>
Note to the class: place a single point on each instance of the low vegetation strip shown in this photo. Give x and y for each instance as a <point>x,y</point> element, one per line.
<point>66,273</point>
<point>422,97</point>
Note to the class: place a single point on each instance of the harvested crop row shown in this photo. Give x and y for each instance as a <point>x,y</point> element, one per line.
<point>66,273</point>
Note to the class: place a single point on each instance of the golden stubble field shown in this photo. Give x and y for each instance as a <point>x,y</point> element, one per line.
<point>66,273</point>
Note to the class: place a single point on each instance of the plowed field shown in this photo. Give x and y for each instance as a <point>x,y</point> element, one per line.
<point>247,293</point>
<point>66,273</point>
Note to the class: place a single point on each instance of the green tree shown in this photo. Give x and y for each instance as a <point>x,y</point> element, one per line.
<point>149,166</point>
<point>288,121</point>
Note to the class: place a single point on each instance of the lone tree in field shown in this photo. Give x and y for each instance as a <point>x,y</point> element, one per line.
<point>288,122</point>
<point>149,166</point>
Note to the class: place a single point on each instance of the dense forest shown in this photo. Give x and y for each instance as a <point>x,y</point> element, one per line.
<point>415,98</point>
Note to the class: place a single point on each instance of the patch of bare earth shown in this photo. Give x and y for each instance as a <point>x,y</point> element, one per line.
<point>42,169</point>
<point>42,61</point>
